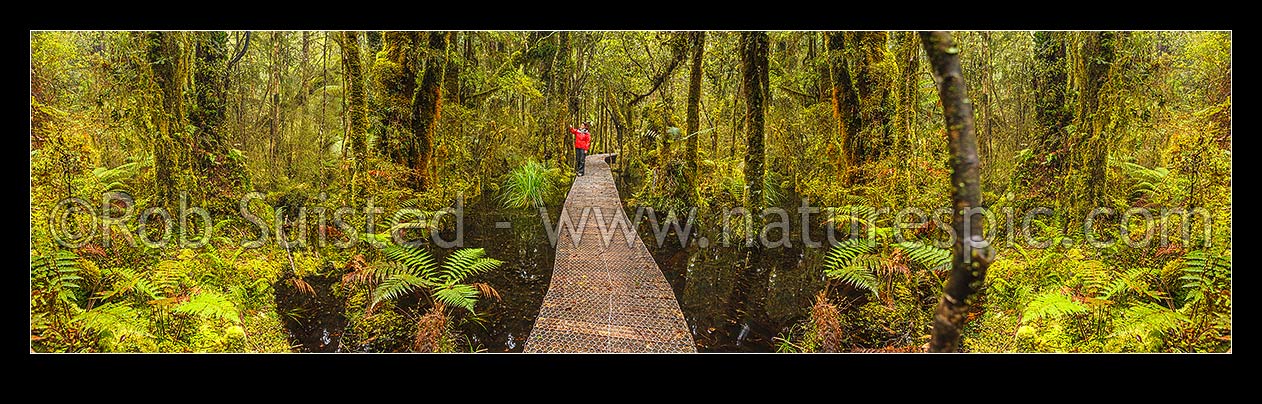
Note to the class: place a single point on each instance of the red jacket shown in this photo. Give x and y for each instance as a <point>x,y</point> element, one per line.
<point>581,138</point>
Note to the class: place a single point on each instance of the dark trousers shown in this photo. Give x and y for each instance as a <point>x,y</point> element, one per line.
<point>580,156</point>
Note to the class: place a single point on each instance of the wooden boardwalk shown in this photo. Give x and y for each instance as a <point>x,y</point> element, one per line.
<point>607,294</point>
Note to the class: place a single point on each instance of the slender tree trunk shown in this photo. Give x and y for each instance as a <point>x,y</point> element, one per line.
<point>971,255</point>
<point>748,296</point>
<point>273,101</point>
<point>324,85</point>
<point>451,74</point>
<point>561,98</point>
<point>358,105</point>
<point>693,124</point>
<point>301,101</point>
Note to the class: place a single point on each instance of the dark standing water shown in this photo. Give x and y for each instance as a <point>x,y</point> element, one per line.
<point>735,300</point>
<point>316,323</point>
<point>523,279</point>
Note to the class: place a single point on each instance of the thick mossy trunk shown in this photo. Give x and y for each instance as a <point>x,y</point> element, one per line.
<point>1051,111</point>
<point>873,80</point>
<point>163,55</point>
<point>396,77</point>
<point>211,152</point>
<point>754,74</point>
<point>427,108</point>
<point>845,103</point>
<point>971,255</point>
<point>1096,57</point>
<point>908,90</point>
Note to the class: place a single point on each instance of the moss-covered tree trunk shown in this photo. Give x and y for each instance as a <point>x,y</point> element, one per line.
<point>693,124</point>
<point>1096,57</point>
<point>560,99</point>
<point>971,255</point>
<point>396,76</point>
<point>1051,111</point>
<point>908,55</point>
<point>356,100</point>
<point>748,295</point>
<point>427,108</point>
<point>211,152</point>
<point>754,76</point>
<point>845,103</point>
<point>163,55</point>
<point>873,80</point>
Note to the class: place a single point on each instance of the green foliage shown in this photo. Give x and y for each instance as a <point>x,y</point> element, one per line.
<point>849,263</point>
<point>415,269</point>
<point>115,322</point>
<point>1147,323</point>
<point>927,256</point>
<point>211,305</point>
<point>1205,275</point>
<point>58,273</point>
<point>529,185</point>
<point>1051,304</point>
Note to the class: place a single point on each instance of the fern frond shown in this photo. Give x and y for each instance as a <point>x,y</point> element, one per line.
<point>486,290</point>
<point>210,305</point>
<point>927,256</point>
<point>302,286</point>
<point>396,286</point>
<point>857,272</point>
<point>417,261</point>
<point>59,272</point>
<point>114,320</point>
<point>467,262</point>
<point>841,254</point>
<point>456,295</point>
<point>1051,304</point>
<point>1147,319</point>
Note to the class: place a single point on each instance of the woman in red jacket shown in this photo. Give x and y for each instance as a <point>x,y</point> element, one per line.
<point>582,138</point>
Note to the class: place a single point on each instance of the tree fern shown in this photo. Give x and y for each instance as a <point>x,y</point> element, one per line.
<point>1051,304</point>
